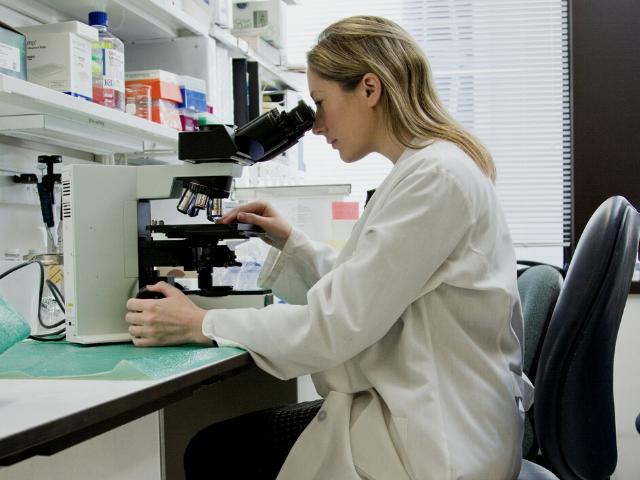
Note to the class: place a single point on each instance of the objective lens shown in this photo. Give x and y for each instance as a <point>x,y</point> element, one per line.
<point>201,201</point>
<point>214,209</point>
<point>185,201</point>
<point>197,196</point>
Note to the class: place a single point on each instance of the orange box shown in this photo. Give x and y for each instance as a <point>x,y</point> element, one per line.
<point>164,85</point>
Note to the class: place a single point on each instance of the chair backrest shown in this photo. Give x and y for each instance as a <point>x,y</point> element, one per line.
<point>574,409</point>
<point>539,287</point>
<point>524,265</point>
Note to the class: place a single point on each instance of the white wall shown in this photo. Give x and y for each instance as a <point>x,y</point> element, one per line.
<point>627,392</point>
<point>21,223</point>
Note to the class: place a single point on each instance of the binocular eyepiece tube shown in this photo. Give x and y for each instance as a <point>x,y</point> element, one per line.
<point>275,131</point>
<point>262,139</point>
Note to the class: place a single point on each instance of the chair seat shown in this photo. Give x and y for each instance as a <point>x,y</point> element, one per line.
<point>533,471</point>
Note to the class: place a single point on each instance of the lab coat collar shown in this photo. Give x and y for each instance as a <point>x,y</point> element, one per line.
<point>417,144</point>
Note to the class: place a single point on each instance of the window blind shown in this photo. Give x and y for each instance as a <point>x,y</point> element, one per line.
<point>323,164</point>
<point>501,67</point>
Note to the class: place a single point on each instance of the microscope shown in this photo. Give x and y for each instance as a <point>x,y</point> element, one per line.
<point>112,249</point>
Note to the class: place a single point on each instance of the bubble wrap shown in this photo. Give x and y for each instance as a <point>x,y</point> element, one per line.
<point>13,328</point>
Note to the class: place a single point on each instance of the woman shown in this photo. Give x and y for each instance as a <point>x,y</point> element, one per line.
<point>413,331</point>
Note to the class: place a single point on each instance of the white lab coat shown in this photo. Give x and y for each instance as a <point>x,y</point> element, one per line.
<point>413,332</point>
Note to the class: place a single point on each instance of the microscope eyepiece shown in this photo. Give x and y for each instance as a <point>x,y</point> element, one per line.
<point>296,122</point>
<point>274,132</point>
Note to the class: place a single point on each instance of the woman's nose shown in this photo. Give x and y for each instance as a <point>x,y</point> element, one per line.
<point>318,126</point>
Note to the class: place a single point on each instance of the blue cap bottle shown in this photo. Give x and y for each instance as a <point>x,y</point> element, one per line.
<point>98,18</point>
<point>107,65</point>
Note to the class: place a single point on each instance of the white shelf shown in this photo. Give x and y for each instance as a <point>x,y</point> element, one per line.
<point>129,20</point>
<point>283,79</point>
<point>268,71</point>
<point>234,44</point>
<point>36,113</point>
<point>294,191</point>
<point>32,112</point>
<point>136,20</point>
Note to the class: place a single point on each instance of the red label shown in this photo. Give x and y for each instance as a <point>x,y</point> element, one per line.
<point>345,210</point>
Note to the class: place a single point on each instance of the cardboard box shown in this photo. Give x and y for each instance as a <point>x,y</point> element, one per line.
<point>59,57</point>
<point>13,52</point>
<point>164,85</point>
<point>267,19</point>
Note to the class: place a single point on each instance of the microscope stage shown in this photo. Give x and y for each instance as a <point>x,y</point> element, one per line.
<point>209,230</point>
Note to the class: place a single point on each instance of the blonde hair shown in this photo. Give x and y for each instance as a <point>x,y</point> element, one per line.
<point>355,46</point>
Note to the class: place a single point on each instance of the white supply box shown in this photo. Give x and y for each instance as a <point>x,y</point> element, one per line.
<point>265,18</point>
<point>59,57</point>
<point>221,13</point>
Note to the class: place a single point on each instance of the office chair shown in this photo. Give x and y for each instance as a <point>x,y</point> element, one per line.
<point>574,410</point>
<point>524,265</point>
<point>539,287</point>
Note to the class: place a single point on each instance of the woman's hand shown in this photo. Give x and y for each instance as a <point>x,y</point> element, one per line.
<point>173,320</point>
<point>262,214</point>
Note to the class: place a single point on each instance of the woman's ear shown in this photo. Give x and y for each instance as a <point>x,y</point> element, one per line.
<point>372,88</point>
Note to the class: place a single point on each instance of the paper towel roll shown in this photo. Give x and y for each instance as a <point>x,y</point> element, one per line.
<point>13,328</point>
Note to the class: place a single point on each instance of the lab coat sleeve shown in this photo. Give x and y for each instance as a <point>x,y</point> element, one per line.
<point>291,273</point>
<point>424,219</point>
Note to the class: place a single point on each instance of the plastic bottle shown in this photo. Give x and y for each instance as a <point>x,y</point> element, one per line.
<point>107,65</point>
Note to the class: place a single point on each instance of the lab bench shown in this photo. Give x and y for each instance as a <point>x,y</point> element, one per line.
<point>136,429</point>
